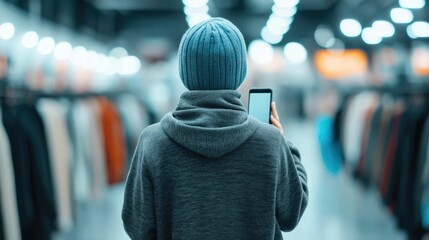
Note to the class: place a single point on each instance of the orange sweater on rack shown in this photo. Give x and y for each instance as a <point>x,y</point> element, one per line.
<point>114,141</point>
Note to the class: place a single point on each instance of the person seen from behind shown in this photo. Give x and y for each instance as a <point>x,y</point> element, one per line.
<point>208,170</point>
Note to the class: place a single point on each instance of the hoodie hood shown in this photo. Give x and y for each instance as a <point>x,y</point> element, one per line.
<point>211,123</point>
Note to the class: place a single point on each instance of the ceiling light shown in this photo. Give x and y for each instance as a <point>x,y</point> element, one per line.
<point>278,25</point>
<point>111,66</point>
<point>413,4</point>
<point>369,36</point>
<point>420,29</point>
<point>46,45</point>
<point>270,37</point>
<point>63,50</point>
<point>350,27</point>
<point>118,52</point>
<point>401,15</point>
<point>102,63</point>
<point>195,3</point>
<point>261,52</point>
<point>30,39</point>
<point>189,11</point>
<point>410,32</point>
<point>295,52</point>
<point>7,31</point>
<point>335,43</point>
<point>79,55</point>
<point>284,12</point>
<point>286,3</point>
<point>322,35</point>
<point>129,65</point>
<point>383,28</point>
<point>92,60</point>
<point>197,18</point>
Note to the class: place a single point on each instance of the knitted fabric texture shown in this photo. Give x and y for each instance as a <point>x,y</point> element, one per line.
<point>212,56</point>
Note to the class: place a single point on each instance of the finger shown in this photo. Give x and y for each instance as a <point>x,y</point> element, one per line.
<point>276,123</point>
<point>274,110</point>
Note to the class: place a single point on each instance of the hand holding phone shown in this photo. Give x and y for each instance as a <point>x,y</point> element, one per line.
<point>260,104</point>
<point>262,108</point>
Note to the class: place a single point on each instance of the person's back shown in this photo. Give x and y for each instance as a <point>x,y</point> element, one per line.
<point>208,170</point>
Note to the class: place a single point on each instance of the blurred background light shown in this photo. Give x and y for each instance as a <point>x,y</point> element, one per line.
<point>413,4</point>
<point>420,29</point>
<point>92,60</point>
<point>270,37</point>
<point>46,45</point>
<point>383,28</point>
<point>335,43</point>
<point>286,3</point>
<point>7,31</point>
<point>129,65</point>
<point>197,18</point>
<point>261,52</point>
<point>111,67</point>
<point>369,36</point>
<point>284,11</point>
<point>79,55</point>
<point>401,15</point>
<point>322,35</point>
<point>189,11</point>
<point>118,52</point>
<point>63,51</point>
<point>30,39</point>
<point>195,3</point>
<point>295,52</point>
<point>350,27</point>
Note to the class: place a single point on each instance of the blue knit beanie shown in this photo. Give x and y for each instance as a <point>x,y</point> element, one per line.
<point>212,56</point>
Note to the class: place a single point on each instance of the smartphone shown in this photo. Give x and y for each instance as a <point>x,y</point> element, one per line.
<point>260,104</point>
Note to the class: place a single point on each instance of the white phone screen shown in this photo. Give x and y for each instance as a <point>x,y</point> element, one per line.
<point>259,106</point>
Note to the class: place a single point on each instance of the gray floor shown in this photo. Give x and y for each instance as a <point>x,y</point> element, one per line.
<point>338,208</point>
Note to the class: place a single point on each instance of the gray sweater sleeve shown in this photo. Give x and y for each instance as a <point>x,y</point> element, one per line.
<point>292,192</point>
<point>138,213</point>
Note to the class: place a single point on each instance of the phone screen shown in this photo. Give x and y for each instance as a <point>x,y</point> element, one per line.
<point>260,106</point>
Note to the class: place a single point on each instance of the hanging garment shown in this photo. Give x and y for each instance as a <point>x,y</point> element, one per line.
<point>391,196</point>
<point>97,155</point>
<point>408,166</point>
<point>9,215</point>
<point>392,147</point>
<point>329,148</point>
<point>54,117</point>
<point>354,126</point>
<point>338,125</point>
<point>134,119</point>
<point>368,115</point>
<point>79,125</point>
<point>421,191</point>
<point>36,204</point>
<point>381,139</point>
<point>372,141</point>
<point>114,142</point>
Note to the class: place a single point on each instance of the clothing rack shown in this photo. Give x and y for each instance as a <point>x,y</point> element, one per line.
<point>396,90</point>
<point>7,92</point>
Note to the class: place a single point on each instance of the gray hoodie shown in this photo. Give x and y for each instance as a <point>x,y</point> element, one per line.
<point>209,171</point>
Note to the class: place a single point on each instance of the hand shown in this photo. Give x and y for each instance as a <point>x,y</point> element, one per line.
<point>275,120</point>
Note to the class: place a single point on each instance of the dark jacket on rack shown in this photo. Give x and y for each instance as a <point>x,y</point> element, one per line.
<point>36,204</point>
<point>209,171</point>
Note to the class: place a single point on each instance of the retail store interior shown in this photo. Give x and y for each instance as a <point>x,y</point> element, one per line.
<point>81,79</point>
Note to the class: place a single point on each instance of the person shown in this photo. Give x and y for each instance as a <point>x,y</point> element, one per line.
<point>208,170</point>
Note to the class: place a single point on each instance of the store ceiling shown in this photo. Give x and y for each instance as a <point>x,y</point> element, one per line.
<point>131,23</point>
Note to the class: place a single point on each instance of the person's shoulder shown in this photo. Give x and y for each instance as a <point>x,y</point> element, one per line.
<point>267,131</point>
<point>152,132</point>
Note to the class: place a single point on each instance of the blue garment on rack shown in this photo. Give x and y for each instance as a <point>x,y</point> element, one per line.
<point>330,149</point>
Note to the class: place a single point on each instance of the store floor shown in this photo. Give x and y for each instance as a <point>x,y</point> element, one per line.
<point>338,208</point>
